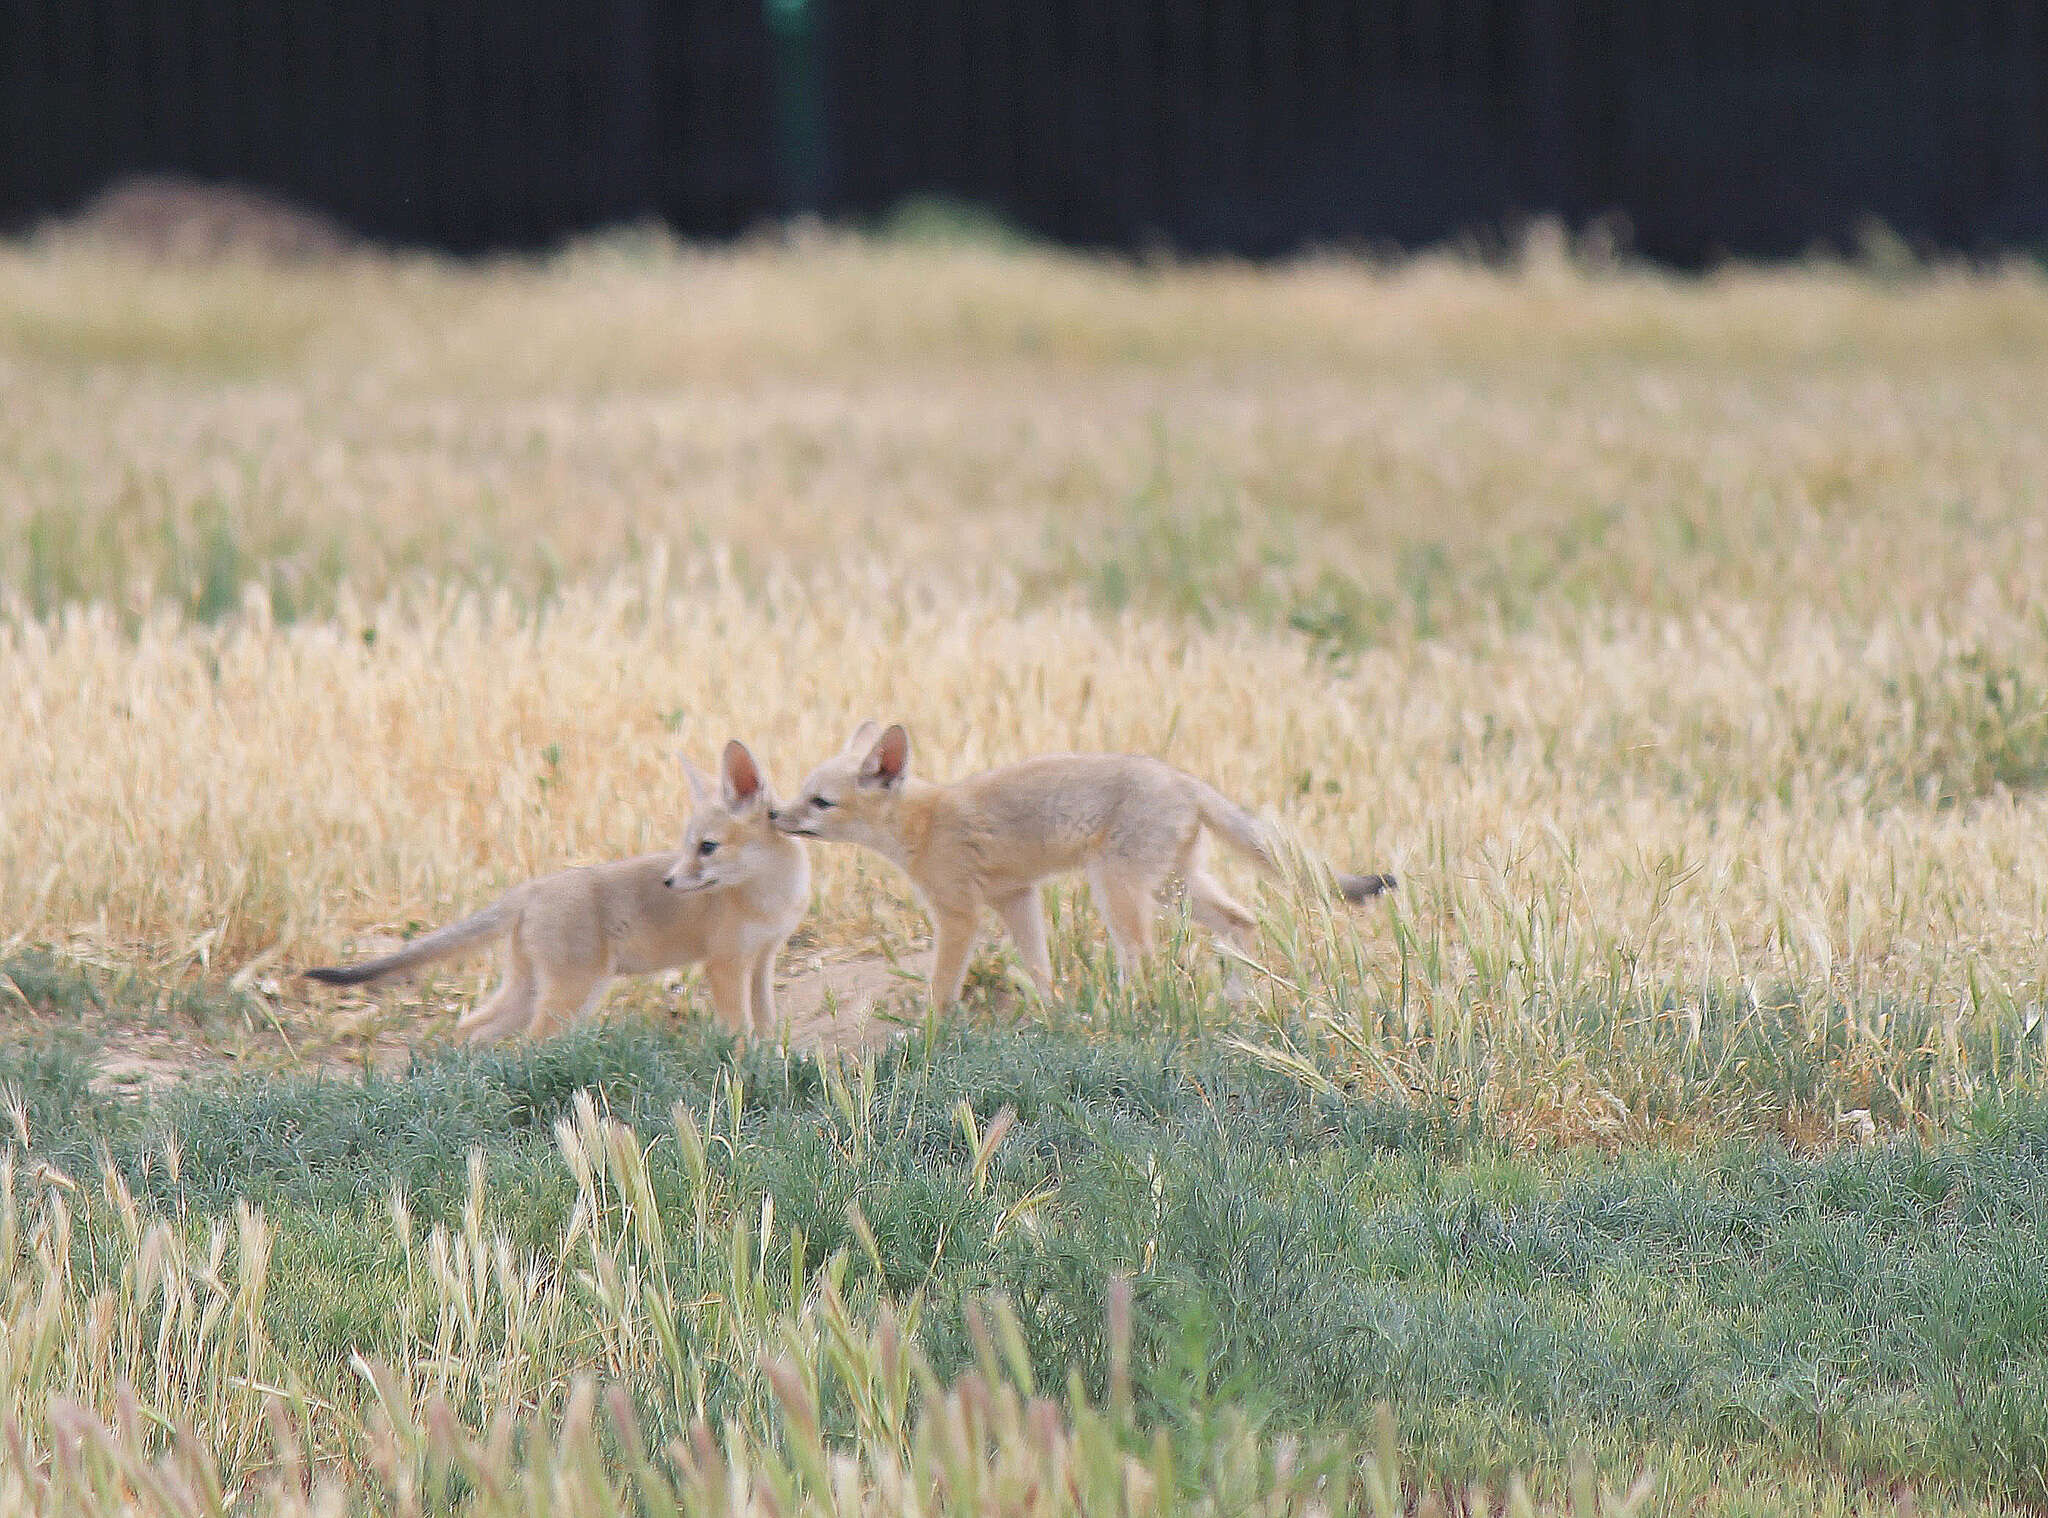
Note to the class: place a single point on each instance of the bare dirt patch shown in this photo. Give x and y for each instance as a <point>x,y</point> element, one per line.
<point>831,1005</point>
<point>859,1002</point>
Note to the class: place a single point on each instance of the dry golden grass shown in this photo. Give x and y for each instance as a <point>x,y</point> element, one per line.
<point>1683,644</point>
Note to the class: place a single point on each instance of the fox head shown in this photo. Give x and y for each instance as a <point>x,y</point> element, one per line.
<point>853,797</point>
<point>731,837</point>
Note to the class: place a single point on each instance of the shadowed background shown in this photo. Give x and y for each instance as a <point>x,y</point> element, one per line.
<point>1696,127</point>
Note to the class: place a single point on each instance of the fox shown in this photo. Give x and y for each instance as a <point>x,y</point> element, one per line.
<point>728,899</point>
<point>1127,821</point>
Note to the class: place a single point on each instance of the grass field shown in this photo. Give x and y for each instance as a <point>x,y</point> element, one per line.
<point>1682,644</point>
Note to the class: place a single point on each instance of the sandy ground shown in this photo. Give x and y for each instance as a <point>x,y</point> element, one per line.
<point>852,1003</point>
<point>838,1004</point>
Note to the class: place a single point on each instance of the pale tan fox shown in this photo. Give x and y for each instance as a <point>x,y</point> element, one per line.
<point>729,899</point>
<point>1128,821</point>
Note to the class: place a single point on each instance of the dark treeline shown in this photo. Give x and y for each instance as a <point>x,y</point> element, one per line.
<point>1254,126</point>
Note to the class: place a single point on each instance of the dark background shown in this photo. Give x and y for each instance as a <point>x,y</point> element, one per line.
<point>1753,127</point>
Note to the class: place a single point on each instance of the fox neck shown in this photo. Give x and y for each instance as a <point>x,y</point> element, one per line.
<point>903,842</point>
<point>771,891</point>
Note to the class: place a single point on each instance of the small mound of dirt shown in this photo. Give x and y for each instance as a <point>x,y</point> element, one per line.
<point>172,217</point>
<point>838,1005</point>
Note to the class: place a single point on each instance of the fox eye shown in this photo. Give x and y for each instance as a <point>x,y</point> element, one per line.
<point>822,804</point>
<point>707,848</point>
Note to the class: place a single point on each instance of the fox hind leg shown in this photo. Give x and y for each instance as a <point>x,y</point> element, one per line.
<point>509,1009</point>
<point>1213,907</point>
<point>563,997</point>
<point>1023,915</point>
<point>1127,901</point>
<point>1221,913</point>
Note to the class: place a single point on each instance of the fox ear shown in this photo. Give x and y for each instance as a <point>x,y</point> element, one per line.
<point>742,777</point>
<point>700,783</point>
<point>863,737</point>
<point>889,760</point>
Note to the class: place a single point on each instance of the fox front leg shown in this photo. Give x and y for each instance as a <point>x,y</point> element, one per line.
<point>730,987</point>
<point>955,932</point>
<point>763,992</point>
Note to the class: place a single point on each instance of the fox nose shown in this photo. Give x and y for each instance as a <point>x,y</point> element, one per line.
<point>669,881</point>
<point>774,815</point>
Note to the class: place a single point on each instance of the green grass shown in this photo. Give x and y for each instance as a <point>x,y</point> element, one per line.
<point>1872,1315</point>
<point>198,559</point>
<point>1693,635</point>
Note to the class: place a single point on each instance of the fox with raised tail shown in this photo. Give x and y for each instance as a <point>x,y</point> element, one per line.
<point>1127,821</point>
<point>728,899</point>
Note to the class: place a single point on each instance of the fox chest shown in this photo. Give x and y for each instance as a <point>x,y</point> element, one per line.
<point>753,934</point>
<point>768,917</point>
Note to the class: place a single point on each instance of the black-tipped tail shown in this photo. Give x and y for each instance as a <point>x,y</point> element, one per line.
<point>342,975</point>
<point>1364,887</point>
<point>439,944</point>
